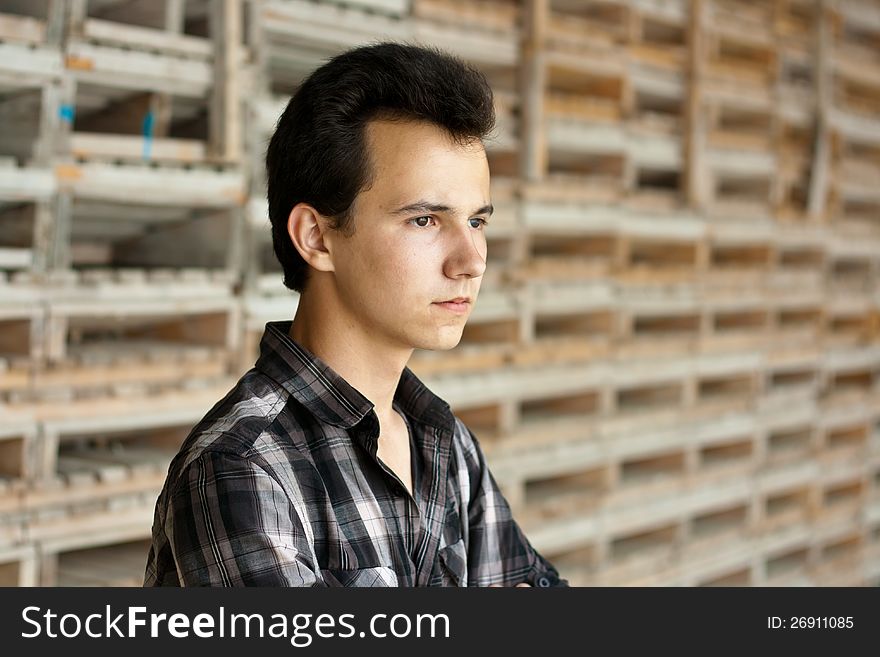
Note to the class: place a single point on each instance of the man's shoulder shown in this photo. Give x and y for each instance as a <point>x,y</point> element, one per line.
<point>243,424</point>
<point>465,439</point>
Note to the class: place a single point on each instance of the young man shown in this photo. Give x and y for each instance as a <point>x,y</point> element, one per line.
<point>330,463</point>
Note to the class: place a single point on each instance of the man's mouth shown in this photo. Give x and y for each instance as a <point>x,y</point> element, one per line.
<point>456,305</point>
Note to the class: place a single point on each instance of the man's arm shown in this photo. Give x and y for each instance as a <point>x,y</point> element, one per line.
<point>229,523</point>
<point>499,554</point>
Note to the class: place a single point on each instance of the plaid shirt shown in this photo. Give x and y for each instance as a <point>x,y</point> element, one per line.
<point>279,485</point>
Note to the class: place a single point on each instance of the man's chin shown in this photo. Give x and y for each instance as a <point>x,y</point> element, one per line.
<point>440,343</point>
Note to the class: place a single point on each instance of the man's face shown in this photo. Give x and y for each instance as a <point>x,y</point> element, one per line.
<point>399,265</point>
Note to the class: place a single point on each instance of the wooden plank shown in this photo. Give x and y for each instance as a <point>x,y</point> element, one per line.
<point>533,156</point>
<point>112,565</point>
<point>22,28</point>
<point>225,109</point>
<point>97,145</point>
<point>149,186</point>
<point>819,175</point>
<point>118,34</point>
<point>695,135</point>
<point>18,566</point>
<point>138,71</point>
<point>87,530</point>
<point>494,15</point>
<point>26,67</point>
<point>15,257</point>
<point>323,25</point>
<point>26,184</point>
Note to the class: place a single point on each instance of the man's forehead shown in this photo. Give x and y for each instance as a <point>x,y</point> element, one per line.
<point>459,193</point>
<point>416,169</point>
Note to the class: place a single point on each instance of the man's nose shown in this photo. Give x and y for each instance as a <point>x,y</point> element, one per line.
<point>467,253</point>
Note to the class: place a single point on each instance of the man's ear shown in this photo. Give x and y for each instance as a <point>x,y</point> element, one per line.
<point>307,229</point>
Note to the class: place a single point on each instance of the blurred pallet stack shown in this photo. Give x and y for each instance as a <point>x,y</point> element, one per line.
<point>31,70</point>
<point>120,319</point>
<point>673,363</point>
<point>729,433</point>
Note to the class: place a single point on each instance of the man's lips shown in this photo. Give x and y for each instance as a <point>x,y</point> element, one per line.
<point>459,305</point>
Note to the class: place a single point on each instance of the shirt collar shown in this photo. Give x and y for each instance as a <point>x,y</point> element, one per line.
<point>328,396</point>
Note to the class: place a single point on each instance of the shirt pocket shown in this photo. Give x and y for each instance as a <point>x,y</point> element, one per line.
<point>366,577</point>
<point>453,564</point>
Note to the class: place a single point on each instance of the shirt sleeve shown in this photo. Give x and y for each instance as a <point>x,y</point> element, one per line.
<point>498,550</point>
<point>229,523</point>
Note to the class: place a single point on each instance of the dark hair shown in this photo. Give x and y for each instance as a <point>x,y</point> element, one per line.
<point>318,153</point>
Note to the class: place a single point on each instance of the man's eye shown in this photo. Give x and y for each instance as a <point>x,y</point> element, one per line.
<point>418,221</point>
<point>482,221</point>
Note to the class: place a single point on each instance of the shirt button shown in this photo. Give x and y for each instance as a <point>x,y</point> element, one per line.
<point>543,582</point>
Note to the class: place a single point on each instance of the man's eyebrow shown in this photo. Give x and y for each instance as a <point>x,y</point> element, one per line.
<point>427,206</point>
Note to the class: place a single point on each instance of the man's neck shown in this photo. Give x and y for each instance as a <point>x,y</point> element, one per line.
<point>371,367</point>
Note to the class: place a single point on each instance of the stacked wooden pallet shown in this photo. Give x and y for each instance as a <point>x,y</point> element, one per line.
<point>726,315</point>
<point>120,327</point>
<point>735,78</point>
<point>852,103</point>
<point>673,362</point>
<point>796,95</point>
